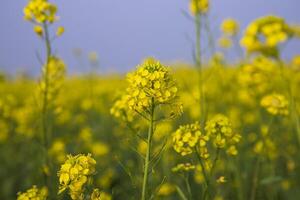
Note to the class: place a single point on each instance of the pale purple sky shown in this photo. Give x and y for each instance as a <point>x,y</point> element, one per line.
<point>124,32</point>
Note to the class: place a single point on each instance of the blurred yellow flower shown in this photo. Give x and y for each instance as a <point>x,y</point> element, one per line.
<point>230,27</point>
<point>166,189</point>
<point>199,6</point>
<point>40,11</point>
<point>265,34</point>
<point>225,42</point>
<point>34,193</point>
<point>98,195</point>
<point>60,30</point>
<point>39,30</point>
<point>221,180</point>
<point>75,173</point>
<point>183,167</point>
<point>275,104</point>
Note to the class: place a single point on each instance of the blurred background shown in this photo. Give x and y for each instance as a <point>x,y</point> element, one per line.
<point>122,33</point>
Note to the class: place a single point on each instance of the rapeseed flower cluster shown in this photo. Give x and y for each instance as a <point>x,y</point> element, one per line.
<point>265,34</point>
<point>34,193</point>
<point>220,131</point>
<point>255,76</point>
<point>275,104</point>
<point>150,85</point>
<point>166,189</point>
<point>199,6</point>
<point>183,167</point>
<point>230,27</point>
<point>41,13</point>
<point>52,79</point>
<point>99,195</point>
<point>189,137</point>
<point>120,109</point>
<point>225,42</point>
<point>265,145</point>
<point>75,173</point>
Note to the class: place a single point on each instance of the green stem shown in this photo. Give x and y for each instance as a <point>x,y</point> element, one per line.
<point>206,178</point>
<point>210,36</point>
<point>258,161</point>
<point>293,106</point>
<point>44,124</point>
<point>148,153</point>
<point>199,66</point>
<point>188,187</point>
<point>215,162</point>
<point>255,179</point>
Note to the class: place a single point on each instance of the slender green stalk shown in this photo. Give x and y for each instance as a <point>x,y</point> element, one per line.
<point>206,177</point>
<point>215,162</point>
<point>255,179</point>
<point>258,161</point>
<point>199,66</point>
<point>148,153</point>
<point>211,42</point>
<point>188,186</point>
<point>45,109</point>
<point>293,106</point>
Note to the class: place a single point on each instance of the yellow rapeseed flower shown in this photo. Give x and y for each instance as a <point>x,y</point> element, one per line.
<point>38,30</point>
<point>275,104</point>
<point>75,173</point>
<point>99,195</point>
<point>60,30</point>
<point>183,167</point>
<point>219,128</point>
<point>34,193</point>
<point>40,11</point>
<point>150,85</point>
<point>187,138</point>
<point>264,35</point>
<point>199,6</point>
<point>225,42</point>
<point>221,180</point>
<point>230,27</point>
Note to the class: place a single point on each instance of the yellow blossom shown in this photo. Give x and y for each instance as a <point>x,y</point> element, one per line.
<point>33,193</point>
<point>275,104</point>
<point>230,27</point>
<point>74,174</point>
<point>187,137</point>
<point>39,30</point>
<point>199,6</point>
<point>60,30</point>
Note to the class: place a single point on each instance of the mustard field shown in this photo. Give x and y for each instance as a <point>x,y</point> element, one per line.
<point>211,130</point>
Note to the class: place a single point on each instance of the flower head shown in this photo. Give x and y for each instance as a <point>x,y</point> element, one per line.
<point>265,34</point>
<point>187,137</point>
<point>183,167</point>
<point>75,173</point>
<point>40,11</point>
<point>275,104</point>
<point>220,130</point>
<point>221,180</point>
<point>52,77</point>
<point>230,27</point>
<point>38,30</point>
<point>98,195</point>
<point>150,85</point>
<point>199,6</point>
<point>33,193</point>
<point>60,30</point>
<point>225,42</point>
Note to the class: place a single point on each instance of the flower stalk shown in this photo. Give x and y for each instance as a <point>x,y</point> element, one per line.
<point>148,153</point>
